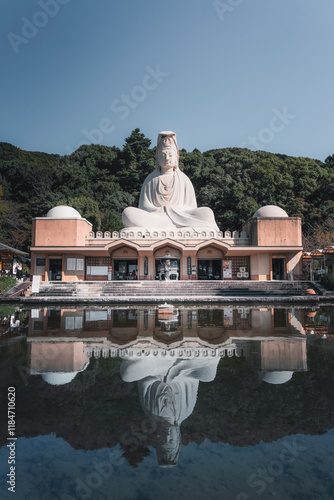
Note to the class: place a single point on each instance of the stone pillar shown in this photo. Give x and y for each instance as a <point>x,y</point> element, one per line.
<point>46,272</point>
<point>142,253</point>
<point>184,264</point>
<point>260,266</point>
<point>63,262</point>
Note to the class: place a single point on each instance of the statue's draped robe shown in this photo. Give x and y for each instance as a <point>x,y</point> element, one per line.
<point>181,375</point>
<point>168,392</point>
<point>178,208</point>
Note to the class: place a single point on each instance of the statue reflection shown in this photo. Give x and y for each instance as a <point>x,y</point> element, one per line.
<point>168,392</point>
<point>167,352</point>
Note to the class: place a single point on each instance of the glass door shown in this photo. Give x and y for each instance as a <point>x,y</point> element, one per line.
<point>55,269</point>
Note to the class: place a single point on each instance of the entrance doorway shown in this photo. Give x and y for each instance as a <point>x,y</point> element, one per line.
<point>125,269</point>
<point>278,267</point>
<point>53,319</point>
<point>167,269</point>
<point>55,269</point>
<point>209,269</point>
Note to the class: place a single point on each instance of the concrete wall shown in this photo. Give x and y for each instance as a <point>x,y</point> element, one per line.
<point>57,357</point>
<point>295,265</point>
<point>274,231</point>
<point>280,355</point>
<point>60,232</point>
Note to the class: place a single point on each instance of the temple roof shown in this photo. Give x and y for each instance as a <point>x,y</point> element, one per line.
<point>270,211</point>
<point>63,212</point>
<point>12,250</point>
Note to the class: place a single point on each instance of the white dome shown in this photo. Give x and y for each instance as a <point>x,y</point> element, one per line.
<point>276,378</point>
<point>270,211</point>
<point>63,212</point>
<point>58,378</point>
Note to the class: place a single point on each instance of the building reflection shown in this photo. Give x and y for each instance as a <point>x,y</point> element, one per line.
<point>63,340</point>
<point>168,353</point>
<point>212,324</point>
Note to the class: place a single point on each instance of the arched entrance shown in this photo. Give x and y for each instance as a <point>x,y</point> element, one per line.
<point>124,263</point>
<point>209,263</point>
<point>167,264</point>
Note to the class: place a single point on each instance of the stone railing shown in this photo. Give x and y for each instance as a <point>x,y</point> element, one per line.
<point>179,352</point>
<point>99,235</point>
<point>231,237</point>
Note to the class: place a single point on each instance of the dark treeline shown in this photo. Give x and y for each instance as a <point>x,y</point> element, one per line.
<point>100,181</point>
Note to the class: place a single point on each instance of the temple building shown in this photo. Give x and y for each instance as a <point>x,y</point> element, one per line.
<point>61,342</point>
<point>65,248</point>
<point>167,238</point>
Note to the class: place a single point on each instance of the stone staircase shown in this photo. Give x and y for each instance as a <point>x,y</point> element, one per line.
<point>169,290</point>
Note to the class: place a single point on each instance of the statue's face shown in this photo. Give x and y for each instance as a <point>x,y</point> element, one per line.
<point>167,158</point>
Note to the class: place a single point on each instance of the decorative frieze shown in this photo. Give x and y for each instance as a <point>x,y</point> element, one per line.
<point>233,238</point>
<point>152,351</point>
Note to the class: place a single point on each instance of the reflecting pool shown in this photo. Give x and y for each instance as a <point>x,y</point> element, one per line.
<point>182,402</point>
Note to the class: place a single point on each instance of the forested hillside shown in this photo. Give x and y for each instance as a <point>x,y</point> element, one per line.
<point>100,181</point>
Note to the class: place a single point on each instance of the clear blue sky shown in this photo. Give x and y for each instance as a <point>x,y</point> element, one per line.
<point>257,73</point>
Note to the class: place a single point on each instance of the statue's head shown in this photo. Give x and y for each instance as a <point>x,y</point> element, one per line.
<point>167,442</point>
<point>167,151</point>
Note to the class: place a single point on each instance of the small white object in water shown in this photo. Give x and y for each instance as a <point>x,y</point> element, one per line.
<point>165,306</point>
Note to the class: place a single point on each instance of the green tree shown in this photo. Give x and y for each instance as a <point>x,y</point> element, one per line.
<point>88,209</point>
<point>117,200</point>
<point>111,221</point>
<point>100,181</point>
<point>136,162</point>
<point>3,207</point>
<point>39,205</point>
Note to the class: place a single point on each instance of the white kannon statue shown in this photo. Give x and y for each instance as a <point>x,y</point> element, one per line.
<point>167,199</point>
<point>168,391</point>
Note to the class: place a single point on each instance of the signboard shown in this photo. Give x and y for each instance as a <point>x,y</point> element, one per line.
<point>242,273</point>
<point>189,265</point>
<point>40,262</point>
<point>97,270</point>
<point>227,269</point>
<point>228,317</point>
<point>321,271</point>
<point>35,284</point>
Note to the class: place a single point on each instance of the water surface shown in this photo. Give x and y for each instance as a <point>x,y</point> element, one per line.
<point>198,403</point>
